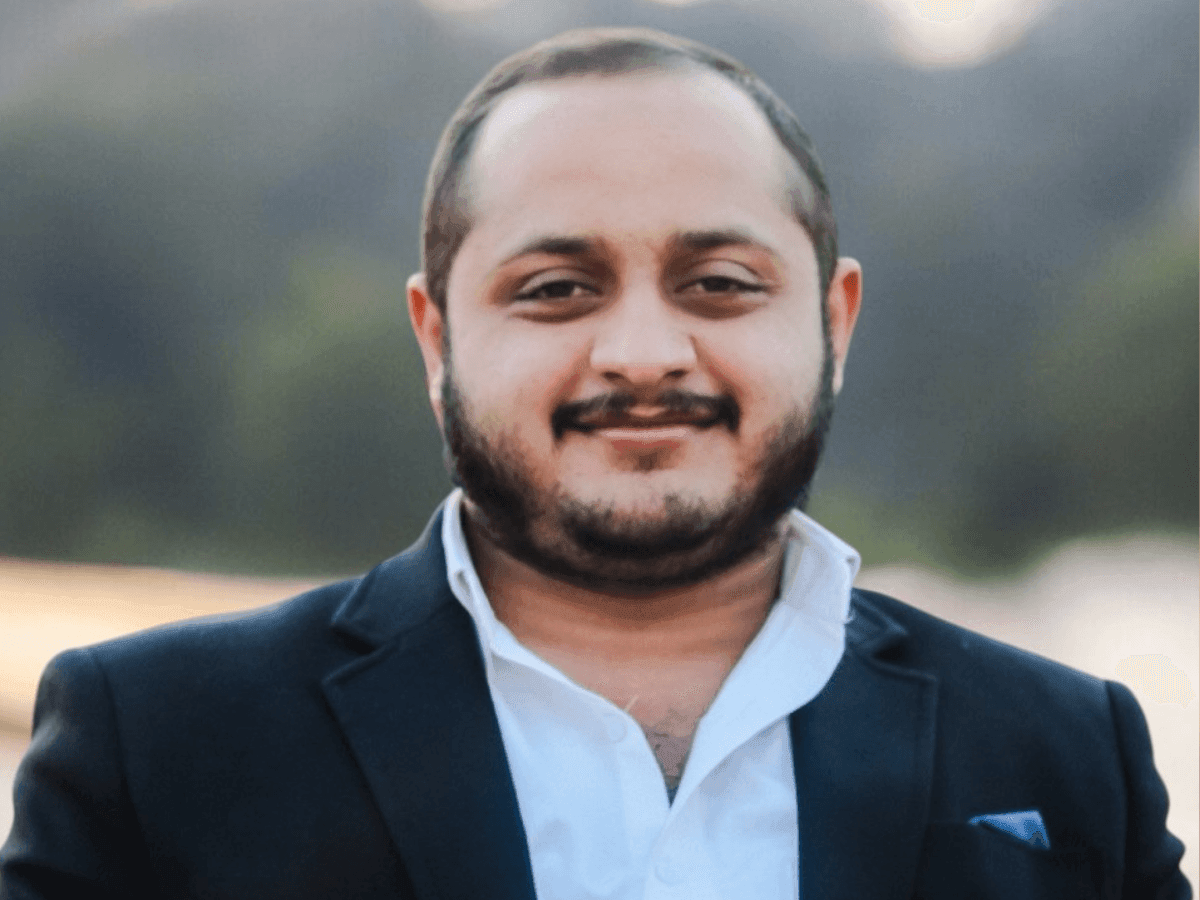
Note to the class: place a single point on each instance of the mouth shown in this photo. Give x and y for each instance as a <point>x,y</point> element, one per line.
<point>645,440</point>
<point>625,414</point>
<point>635,425</point>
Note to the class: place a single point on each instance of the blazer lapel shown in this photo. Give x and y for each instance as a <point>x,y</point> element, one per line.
<point>863,755</point>
<point>418,717</point>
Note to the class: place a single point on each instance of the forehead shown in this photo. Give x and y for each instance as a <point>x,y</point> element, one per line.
<point>633,142</point>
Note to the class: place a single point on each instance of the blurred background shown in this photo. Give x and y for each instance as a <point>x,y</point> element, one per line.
<point>208,209</point>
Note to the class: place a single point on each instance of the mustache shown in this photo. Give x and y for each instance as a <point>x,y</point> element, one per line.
<point>705,411</point>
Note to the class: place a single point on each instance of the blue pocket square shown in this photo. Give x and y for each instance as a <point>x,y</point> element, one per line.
<point>1025,825</point>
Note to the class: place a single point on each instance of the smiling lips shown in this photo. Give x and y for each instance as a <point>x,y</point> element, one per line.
<point>623,414</point>
<point>651,432</point>
<point>627,421</point>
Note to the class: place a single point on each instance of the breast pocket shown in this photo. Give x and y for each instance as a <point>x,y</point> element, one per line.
<point>961,861</point>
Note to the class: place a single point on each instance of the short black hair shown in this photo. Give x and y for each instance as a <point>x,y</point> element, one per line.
<point>605,51</point>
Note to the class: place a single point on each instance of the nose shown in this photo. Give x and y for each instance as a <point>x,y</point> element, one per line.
<point>643,342</point>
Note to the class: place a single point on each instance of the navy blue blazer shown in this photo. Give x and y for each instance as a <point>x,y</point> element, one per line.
<point>343,744</point>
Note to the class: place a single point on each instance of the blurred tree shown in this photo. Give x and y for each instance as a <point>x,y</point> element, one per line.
<point>1106,436</point>
<point>332,449</point>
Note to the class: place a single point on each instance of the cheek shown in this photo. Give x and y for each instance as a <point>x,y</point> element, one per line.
<point>514,377</point>
<point>769,370</point>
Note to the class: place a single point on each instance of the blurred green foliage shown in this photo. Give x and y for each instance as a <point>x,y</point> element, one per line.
<point>1100,435</point>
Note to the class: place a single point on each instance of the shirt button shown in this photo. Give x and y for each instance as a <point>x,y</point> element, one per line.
<point>616,729</point>
<point>668,872</point>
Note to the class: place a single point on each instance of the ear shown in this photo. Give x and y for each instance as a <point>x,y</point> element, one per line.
<point>429,327</point>
<point>842,305</point>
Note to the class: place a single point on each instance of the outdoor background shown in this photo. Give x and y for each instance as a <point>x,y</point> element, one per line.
<point>208,210</point>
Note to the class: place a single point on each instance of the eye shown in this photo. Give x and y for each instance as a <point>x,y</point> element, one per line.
<point>722,284</point>
<point>559,289</point>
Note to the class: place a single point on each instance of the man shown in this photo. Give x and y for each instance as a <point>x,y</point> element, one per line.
<point>620,662</point>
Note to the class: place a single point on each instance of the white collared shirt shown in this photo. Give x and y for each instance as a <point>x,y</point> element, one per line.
<point>589,788</point>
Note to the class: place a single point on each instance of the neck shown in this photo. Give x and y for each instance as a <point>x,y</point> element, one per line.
<point>719,615</point>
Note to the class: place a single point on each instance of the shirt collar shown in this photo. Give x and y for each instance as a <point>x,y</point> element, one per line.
<point>819,569</point>
<point>785,665</point>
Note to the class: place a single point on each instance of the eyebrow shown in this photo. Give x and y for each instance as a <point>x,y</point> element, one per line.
<point>556,245</point>
<point>686,241</point>
<point>699,241</point>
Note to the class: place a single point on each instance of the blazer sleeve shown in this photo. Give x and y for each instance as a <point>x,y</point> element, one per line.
<point>74,830</point>
<point>1152,853</point>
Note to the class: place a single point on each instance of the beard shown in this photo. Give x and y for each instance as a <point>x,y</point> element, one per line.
<point>595,546</point>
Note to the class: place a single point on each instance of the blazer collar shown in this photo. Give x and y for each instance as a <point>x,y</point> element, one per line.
<point>417,701</point>
<point>418,716</point>
<point>399,594</point>
<point>863,756</point>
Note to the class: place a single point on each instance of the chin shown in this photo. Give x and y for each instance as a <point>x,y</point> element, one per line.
<point>647,497</point>
<point>715,477</point>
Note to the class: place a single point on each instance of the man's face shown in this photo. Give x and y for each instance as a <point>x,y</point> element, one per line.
<point>640,379</point>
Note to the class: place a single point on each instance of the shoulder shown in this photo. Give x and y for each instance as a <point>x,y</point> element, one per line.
<point>978,677</point>
<point>924,641</point>
<point>264,629</point>
<point>288,645</point>
<point>223,654</point>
